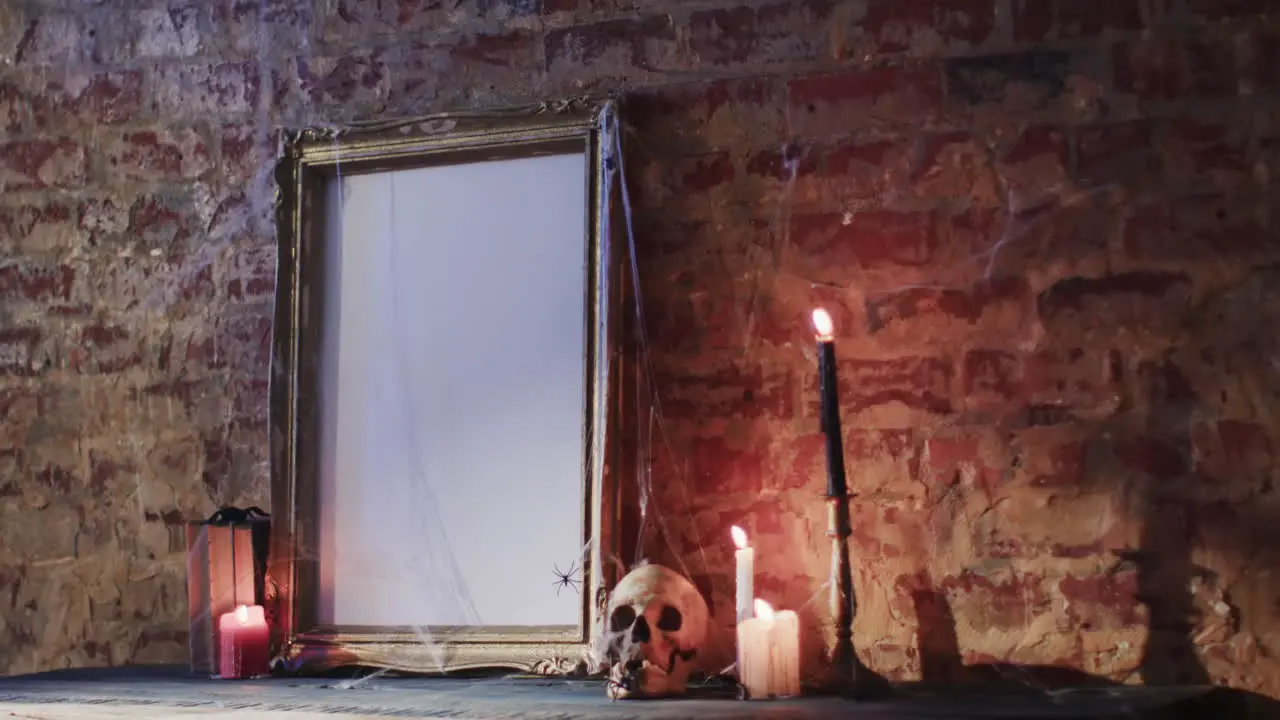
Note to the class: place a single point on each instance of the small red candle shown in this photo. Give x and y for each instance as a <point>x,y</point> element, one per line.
<point>244,643</point>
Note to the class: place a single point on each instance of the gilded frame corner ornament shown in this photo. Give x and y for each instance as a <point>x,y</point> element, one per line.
<point>310,157</point>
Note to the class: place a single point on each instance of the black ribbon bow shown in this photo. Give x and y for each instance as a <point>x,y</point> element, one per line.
<point>234,515</point>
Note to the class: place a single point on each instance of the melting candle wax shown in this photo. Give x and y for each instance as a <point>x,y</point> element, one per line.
<point>769,653</point>
<point>244,643</point>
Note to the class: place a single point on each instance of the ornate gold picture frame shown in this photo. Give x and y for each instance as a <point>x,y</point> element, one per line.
<point>307,636</point>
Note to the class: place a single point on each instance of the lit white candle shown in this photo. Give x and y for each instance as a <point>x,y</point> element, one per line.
<point>769,653</point>
<point>745,557</point>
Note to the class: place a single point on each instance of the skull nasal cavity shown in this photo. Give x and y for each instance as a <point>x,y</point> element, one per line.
<point>669,620</point>
<point>640,631</point>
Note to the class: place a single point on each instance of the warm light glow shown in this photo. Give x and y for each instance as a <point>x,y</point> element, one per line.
<point>822,324</point>
<point>739,537</point>
<point>763,609</point>
<point>242,614</point>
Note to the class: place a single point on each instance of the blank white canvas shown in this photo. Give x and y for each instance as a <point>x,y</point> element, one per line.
<point>452,420</point>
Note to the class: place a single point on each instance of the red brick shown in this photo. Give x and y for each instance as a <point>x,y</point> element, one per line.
<point>513,50</point>
<point>995,603</point>
<point>39,227</point>
<point>1157,458</point>
<point>1162,385</point>
<point>1063,383</point>
<point>199,90</point>
<point>1010,82</point>
<point>1232,451</point>
<point>218,457</point>
<point>731,394</point>
<point>919,383</point>
<point>48,103</point>
<point>235,215</point>
<point>881,460</point>
<point>617,46</point>
<point>42,164</point>
<point>110,98</point>
<point>58,479</point>
<point>352,79</point>
<point>105,471</point>
<point>718,468</point>
<point>36,283</point>
<point>865,240</point>
<point>1035,20</point>
<point>1197,152</point>
<point>787,163</point>
<point>900,25</point>
<point>1038,159</point>
<point>1054,456</point>
<point>1259,60</point>
<point>15,108</point>
<point>17,350</point>
<point>992,378</point>
<point>243,22</point>
<point>105,349</point>
<point>153,282</point>
<point>1167,68</point>
<point>867,168</point>
<point>965,455</point>
<point>1082,294</point>
<point>161,220</point>
<point>1198,228</point>
<point>955,165</point>
<point>58,39</point>
<point>1231,9</point>
<point>781,32</point>
<point>247,152</point>
<point>1103,601</point>
<point>968,305</point>
<point>159,155</point>
<point>1116,152</point>
<point>1036,142</point>
<point>684,182</point>
<point>480,69</point>
<point>838,103</point>
<point>708,115</point>
<point>250,403</point>
<point>696,175</point>
<point>241,341</point>
<point>255,275</point>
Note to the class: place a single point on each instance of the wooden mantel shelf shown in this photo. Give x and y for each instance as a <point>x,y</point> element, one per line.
<point>143,693</point>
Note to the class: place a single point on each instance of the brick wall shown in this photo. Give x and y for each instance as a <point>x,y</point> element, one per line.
<point>1043,226</point>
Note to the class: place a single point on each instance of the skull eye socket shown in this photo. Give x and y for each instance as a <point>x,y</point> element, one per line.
<point>669,620</point>
<point>623,617</point>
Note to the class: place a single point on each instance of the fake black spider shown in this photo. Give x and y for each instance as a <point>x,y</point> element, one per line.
<point>566,578</point>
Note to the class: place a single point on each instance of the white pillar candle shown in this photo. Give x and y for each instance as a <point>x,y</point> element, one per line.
<point>745,557</point>
<point>769,653</point>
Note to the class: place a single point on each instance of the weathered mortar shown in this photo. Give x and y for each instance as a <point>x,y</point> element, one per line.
<point>1044,228</point>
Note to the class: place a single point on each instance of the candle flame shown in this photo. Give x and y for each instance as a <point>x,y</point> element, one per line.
<point>242,614</point>
<point>739,537</point>
<point>764,609</point>
<point>822,324</point>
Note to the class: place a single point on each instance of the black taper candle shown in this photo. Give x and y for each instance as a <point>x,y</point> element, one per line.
<point>837,485</point>
<point>845,668</point>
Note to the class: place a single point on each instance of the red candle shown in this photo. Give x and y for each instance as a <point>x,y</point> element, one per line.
<point>244,642</point>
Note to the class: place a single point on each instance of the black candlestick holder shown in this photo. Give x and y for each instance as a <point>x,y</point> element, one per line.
<point>847,676</point>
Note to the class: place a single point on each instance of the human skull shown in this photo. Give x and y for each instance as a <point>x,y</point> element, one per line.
<point>657,621</point>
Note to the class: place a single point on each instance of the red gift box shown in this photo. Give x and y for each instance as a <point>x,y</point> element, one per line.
<point>223,573</point>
